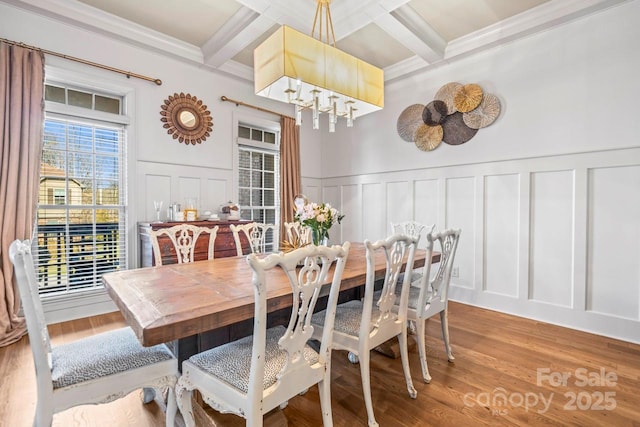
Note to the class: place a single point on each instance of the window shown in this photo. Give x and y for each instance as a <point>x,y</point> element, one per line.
<point>81,216</point>
<point>259,177</point>
<point>59,196</point>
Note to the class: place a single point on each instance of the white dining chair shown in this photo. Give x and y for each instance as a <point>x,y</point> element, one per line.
<point>97,369</point>
<point>258,234</point>
<point>296,232</point>
<point>255,374</point>
<point>183,238</point>
<point>431,296</point>
<point>362,325</point>
<point>413,229</point>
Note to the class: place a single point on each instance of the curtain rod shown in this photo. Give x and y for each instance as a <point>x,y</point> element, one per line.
<point>84,61</point>
<point>244,104</point>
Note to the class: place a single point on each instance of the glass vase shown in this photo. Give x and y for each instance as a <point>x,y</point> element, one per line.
<point>319,237</point>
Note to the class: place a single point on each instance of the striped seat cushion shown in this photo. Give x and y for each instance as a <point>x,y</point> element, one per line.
<point>102,355</point>
<point>232,362</point>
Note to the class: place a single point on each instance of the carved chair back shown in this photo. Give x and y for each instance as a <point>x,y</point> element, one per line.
<point>280,362</point>
<point>183,238</point>
<point>258,234</point>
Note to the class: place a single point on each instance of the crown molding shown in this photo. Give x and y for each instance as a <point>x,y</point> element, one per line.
<point>403,68</point>
<point>87,17</point>
<point>543,17</point>
<point>236,69</point>
<point>257,16</point>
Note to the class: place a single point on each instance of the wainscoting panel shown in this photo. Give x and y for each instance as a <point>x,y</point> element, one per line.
<point>501,217</point>
<point>216,192</point>
<point>351,206</point>
<point>175,183</point>
<point>426,202</point>
<point>373,212</point>
<point>399,203</point>
<point>158,189</point>
<point>312,189</point>
<point>189,188</point>
<point>331,195</point>
<point>614,248</point>
<point>551,239</point>
<point>460,208</point>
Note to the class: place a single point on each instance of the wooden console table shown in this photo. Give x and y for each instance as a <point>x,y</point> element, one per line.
<point>225,246</point>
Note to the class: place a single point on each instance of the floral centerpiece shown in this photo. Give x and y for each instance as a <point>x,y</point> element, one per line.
<point>319,218</point>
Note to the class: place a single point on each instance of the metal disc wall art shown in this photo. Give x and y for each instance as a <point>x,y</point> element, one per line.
<point>467,98</point>
<point>453,117</point>
<point>434,113</point>
<point>446,94</point>
<point>409,121</point>
<point>455,131</point>
<point>428,137</point>
<point>485,114</point>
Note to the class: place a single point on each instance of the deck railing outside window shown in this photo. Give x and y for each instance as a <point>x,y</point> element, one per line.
<point>74,256</point>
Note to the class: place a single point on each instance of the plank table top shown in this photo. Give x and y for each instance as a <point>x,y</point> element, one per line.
<point>169,302</point>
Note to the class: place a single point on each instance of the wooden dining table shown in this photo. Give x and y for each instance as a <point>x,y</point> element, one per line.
<point>196,306</point>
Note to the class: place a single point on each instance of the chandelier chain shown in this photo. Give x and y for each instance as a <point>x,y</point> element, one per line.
<point>323,16</point>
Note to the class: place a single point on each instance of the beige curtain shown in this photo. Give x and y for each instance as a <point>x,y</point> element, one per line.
<point>21,122</point>
<point>290,185</point>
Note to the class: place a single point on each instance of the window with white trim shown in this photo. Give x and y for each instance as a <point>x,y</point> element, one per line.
<point>81,216</point>
<point>259,177</point>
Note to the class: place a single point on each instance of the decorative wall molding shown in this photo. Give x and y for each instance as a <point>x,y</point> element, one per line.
<point>541,237</point>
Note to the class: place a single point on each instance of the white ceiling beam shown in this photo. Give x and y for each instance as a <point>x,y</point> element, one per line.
<point>300,16</point>
<point>240,30</point>
<point>408,28</point>
<point>354,16</point>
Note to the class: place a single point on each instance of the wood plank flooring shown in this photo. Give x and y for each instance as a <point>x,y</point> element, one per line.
<point>508,371</point>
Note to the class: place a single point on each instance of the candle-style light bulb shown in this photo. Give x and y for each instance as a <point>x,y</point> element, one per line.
<point>298,115</point>
<point>316,109</point>
<point>333,118</point>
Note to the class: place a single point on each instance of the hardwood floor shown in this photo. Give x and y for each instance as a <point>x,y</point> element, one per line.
<point>508,371</point>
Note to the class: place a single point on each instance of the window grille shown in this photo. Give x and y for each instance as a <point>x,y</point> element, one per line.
<point>81,216</point>
<point>259,178</point>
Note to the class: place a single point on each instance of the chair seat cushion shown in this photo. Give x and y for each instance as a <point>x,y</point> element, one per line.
<point>348,317</point>
<point>414,295</point>
<point>231,362</point>
<point>102,355</point>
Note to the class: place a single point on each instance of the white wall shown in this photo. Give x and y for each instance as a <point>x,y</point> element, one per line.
<point>548,197</point>
<point>160,168</point>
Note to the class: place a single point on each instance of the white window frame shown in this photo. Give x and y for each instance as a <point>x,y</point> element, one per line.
<point>259,122</point>
<point>84,303</point>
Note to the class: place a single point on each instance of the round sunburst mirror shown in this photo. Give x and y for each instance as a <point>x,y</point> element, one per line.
<point>186,118</point>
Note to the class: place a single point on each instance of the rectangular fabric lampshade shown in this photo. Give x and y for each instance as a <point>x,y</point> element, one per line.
<point>293,67</point>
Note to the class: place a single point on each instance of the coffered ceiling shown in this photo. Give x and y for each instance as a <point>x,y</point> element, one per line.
<point>399,36</point>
